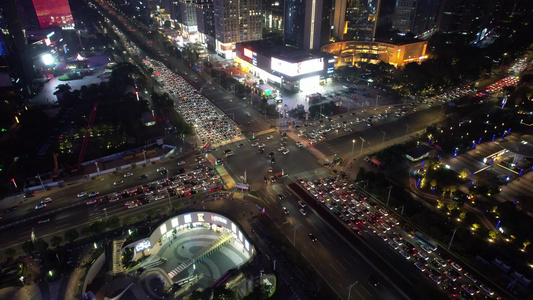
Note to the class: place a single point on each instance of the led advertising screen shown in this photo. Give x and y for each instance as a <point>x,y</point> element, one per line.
<point>53,12</point>
<point>299,68</point>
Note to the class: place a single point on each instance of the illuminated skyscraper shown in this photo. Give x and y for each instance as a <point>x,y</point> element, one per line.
<point>303,21</point>
<point>355,20</point>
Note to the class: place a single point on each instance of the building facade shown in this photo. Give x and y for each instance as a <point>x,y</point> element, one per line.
<point>354,52</point>
<point>355,20</point>
<point>236,21</point>
<point>302,24</point>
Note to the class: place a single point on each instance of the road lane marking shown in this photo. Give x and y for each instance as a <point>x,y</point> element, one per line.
<point>334,268</point>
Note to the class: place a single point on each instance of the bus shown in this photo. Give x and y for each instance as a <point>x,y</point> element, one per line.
<point>217,187</point>
<point>422,239</point>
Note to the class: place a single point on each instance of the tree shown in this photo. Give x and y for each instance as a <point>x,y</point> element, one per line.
<point>40,245</point>
<point>493,234</point>
<point>222,293</point>
<point>464,173</point>
<point>71,235</point>
<point>56,240</point>
<point>113,222</point>
<point>28,247</point>
<point>11,252</point>
<point>433,184</point>
<point>452,205</point>
<point>127,220</point>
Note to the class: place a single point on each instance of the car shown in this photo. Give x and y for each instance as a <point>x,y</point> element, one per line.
<point>261,150</point>
<point>280,197</point>
<point>270,137</point>
<point>118,182</point>
<point>219,161</point>
<point>425,248</point>
<point>129,174</point>
<point>40,206</point>
<point>469,276</point>
<point>456,266</point>
<point>115,199</point>
<point>423,255</point>
<point>299,144</point>
<point>46,200</point>
<point>404,254</point>
<point>92,201</point>
<point>271,155</point>
<point>397,241</point>
<point>312,237</point>
<point>440,262</point>
<point>255,144</point>
<point>468,289</point>
<point>94,194</point>
<point>82,194</point>
<point>451,276</point>
<point>487,289</point>
<point>393,245</point>
<point>397,235</point>
<point>29,195</point>
<point>281,148</point>
<point>162,171</point>
<point>12,208</point>
<point>270,170</point>
<point>303,212</point>
<point>301,203</point>
<point>434,278</point>
<point>285,210</point>
<point>285,151</point>
<point>262,146</point>
<point>410,246</point>
<point>143,176</point>
<point>240,145</point>
<point>373,281</point>
<point>227,151</point>
<point>420,266</point>
<point>180,163</point>
<point>44,221</point>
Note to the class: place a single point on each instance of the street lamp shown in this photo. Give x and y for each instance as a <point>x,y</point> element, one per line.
<point>144,154</point>
<point>97,168</point>
<point>384,133</point>
<point>407,130</point>
<point>105,211</point>
<point>388,197</point>
<point>362,144</point>
<point>353,145</point>
<point>350,289</point>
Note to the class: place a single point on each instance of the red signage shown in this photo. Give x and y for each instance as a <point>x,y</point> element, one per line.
<point>53,12</point>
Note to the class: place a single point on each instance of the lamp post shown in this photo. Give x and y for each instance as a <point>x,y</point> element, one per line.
<point>97,168</point>
<point>105,211</point>
<point>384,133</point>
<point>377,98</point>
<point>144,154</point>
<point>407,130</point>
<point>353,145</point>
<point>451,240</point>
<point>362,144</point>
<point>170,202</point>
<point>350,289</point>
<point>388,197</point>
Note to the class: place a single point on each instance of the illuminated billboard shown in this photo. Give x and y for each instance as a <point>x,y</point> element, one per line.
<point>299,68</point>
<point>248,53</point>
<point>53,12</point>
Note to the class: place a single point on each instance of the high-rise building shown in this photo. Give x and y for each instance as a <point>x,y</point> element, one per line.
<point>302,24</point>
<point>355,20</point>
<point>404,14</point>
<point>205,18</point>
<point>188,17</point>
<point>236,21</point>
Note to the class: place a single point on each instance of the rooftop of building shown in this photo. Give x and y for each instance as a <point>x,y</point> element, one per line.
<point>270,49</point>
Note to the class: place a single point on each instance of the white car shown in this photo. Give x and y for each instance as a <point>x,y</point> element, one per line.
<point>46,200</point>
<point>301,203</point>
<point>426,248</point>
<point>420,266</point>
<point>180,163</point>
<point>281,148</point>
<point>255,144</point>
<point>90,202</point>
<point>270,137</point>
<point>81,195</point>
<point>262,146</point>
<point>94,194</point>
<point>303,212</point>
<point>44,221</point>
<point>128,174</point>
<point>487,289</point>
<point>285,151</point>
<point>40,206</point>
<point>423,255</point>
<point>299,144</point>
<point>456,266</point>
